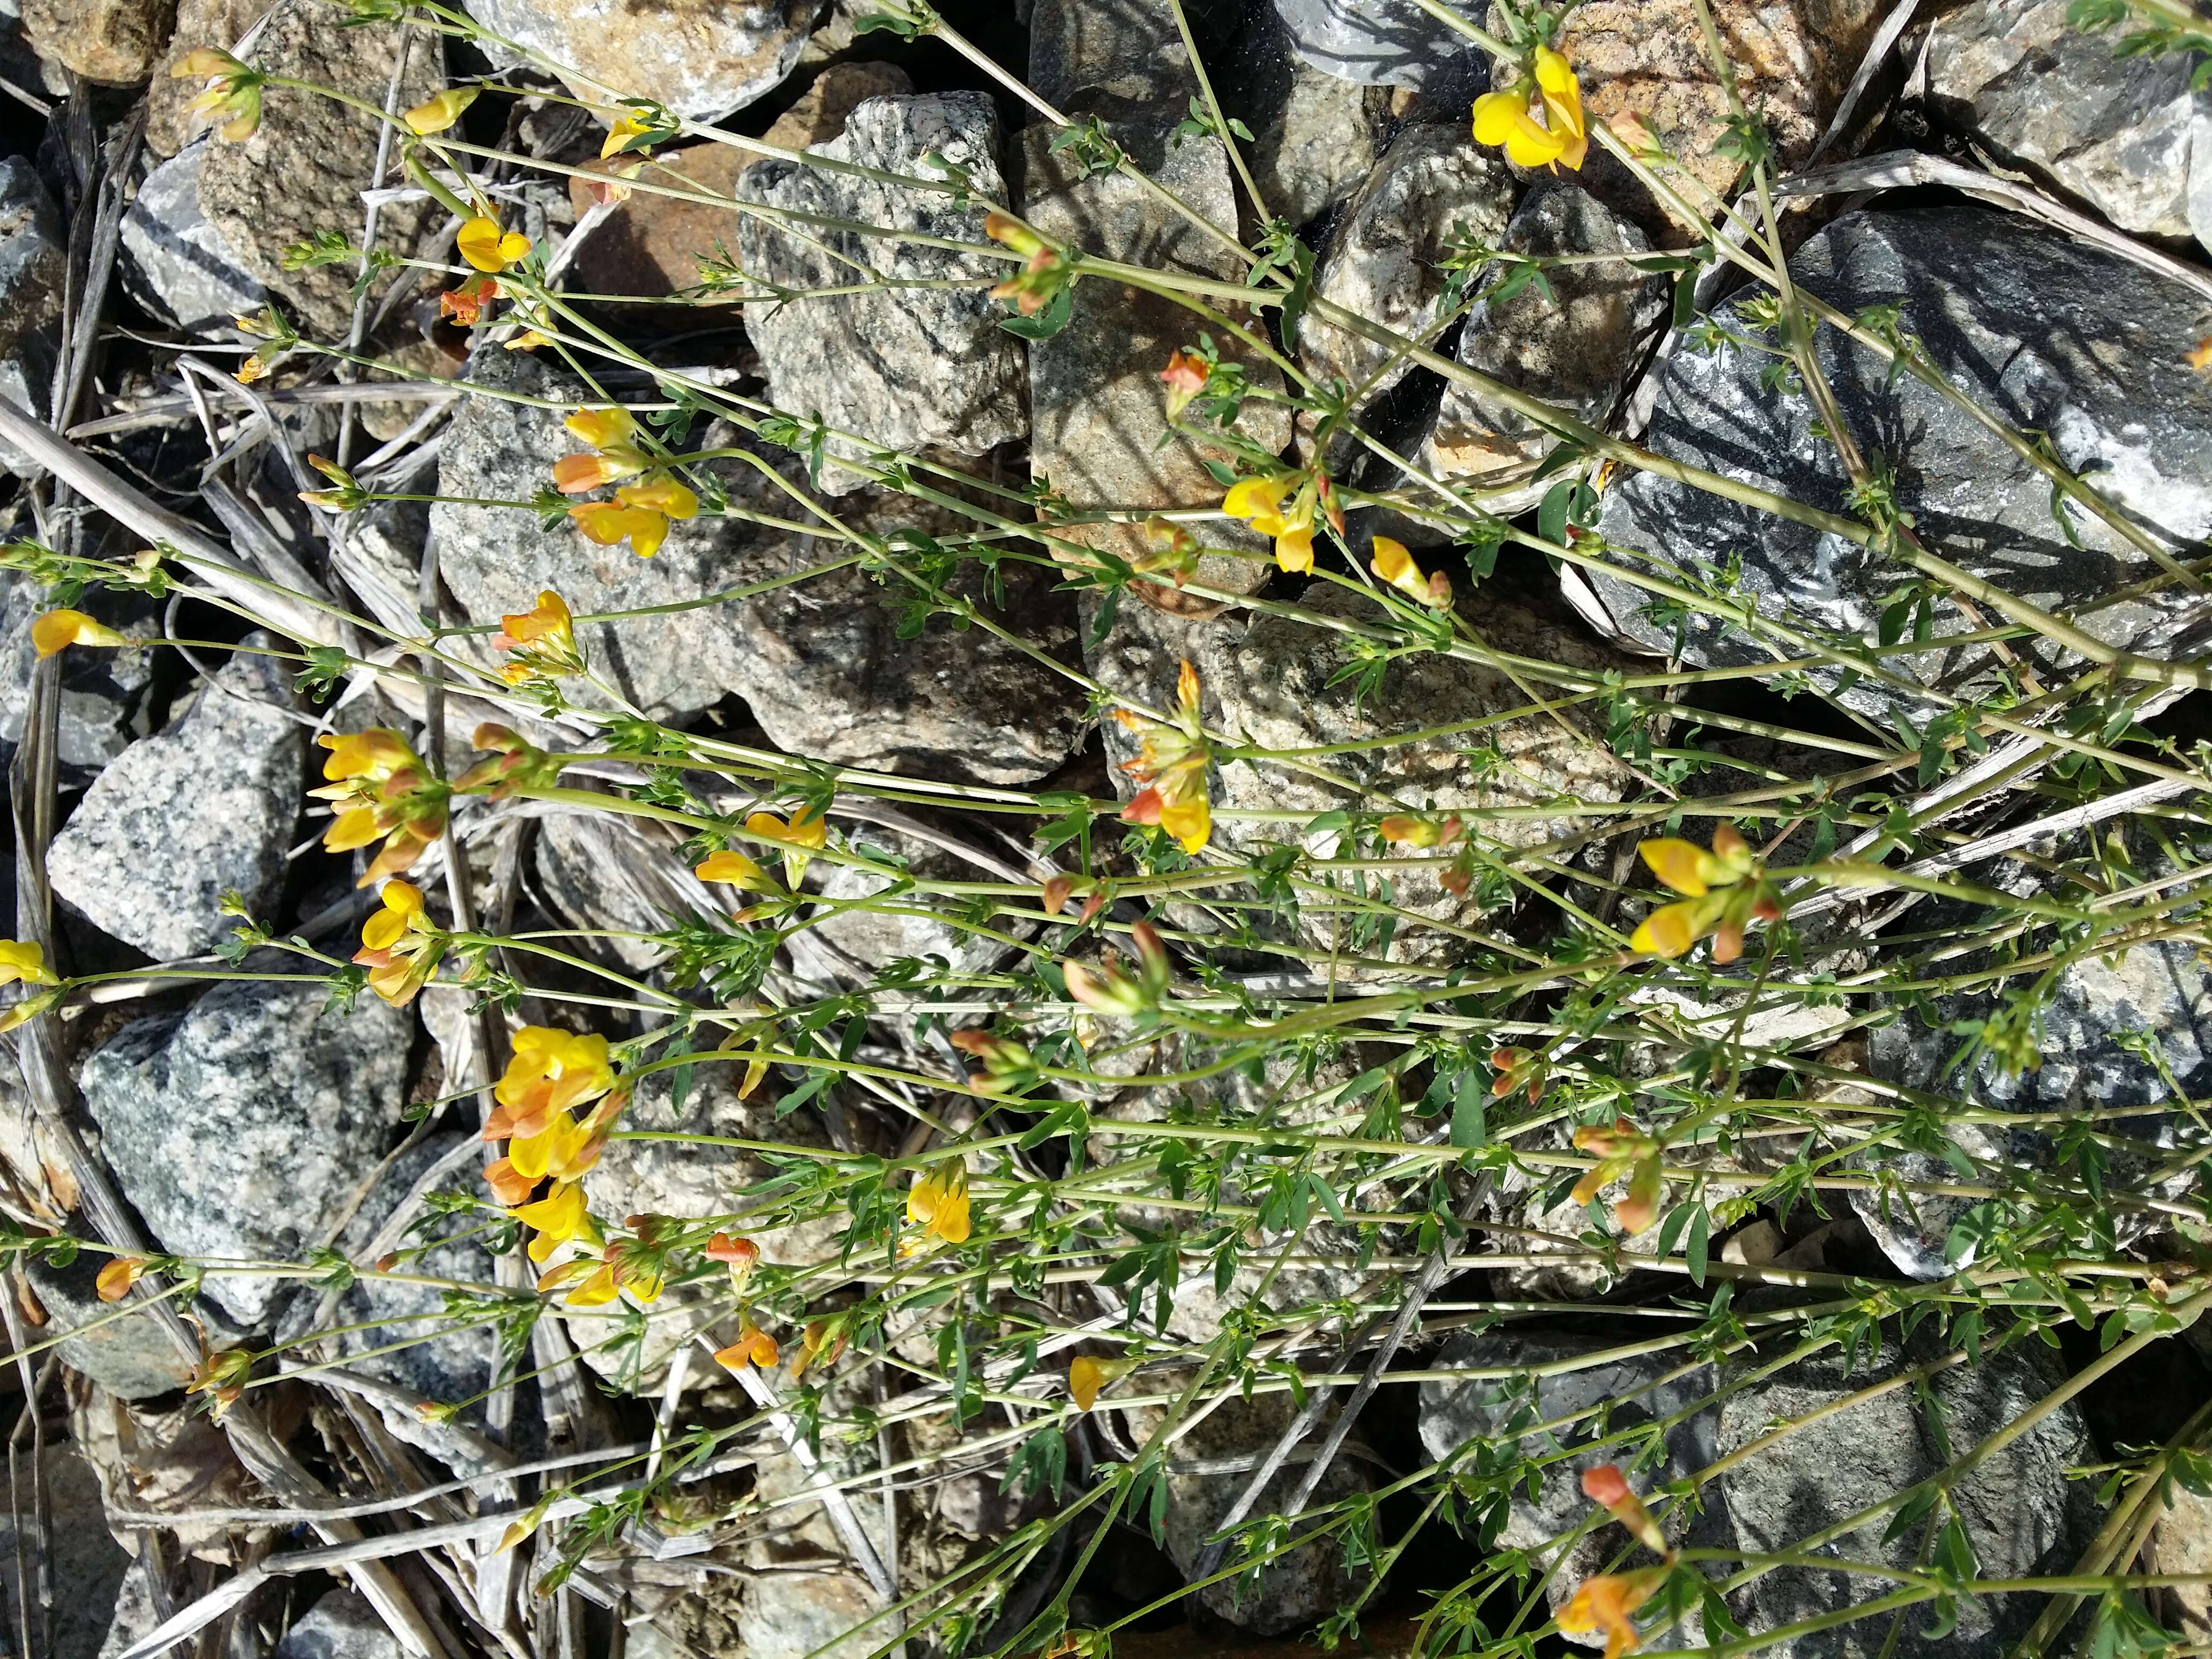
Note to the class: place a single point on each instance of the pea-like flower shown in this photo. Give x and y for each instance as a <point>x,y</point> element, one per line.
<point>612,434</point>
<point>1044,275</point>
<point>1110,988</point>
<point>1608,1602</point>
<point>515,764</point>
<point>1086,1376</point>
<point>551,1072</point>
<point>57,630</point>
<point>1509,117</point>
<point>1184,378</point>
<point>541,643</point>
<point>1009,1068</point>
<point>233,91</point>
<point>938,1203</point>
<point>1259,500</point>
<point>1623,1148</point>
<point>466,304</point>
<point>1726,890</point>
<point>346,493</point>
<point>115,1279</point>
<point>1172,758</point>
<point>754,1346</point>
<point>400,945</point>
<point>1394,565</point>
<point>806,831</point>
<point>435,114</point>
<point>381,788</point>
<point>733,868</point>
<point>560,1216</point>
<point>487,247</point>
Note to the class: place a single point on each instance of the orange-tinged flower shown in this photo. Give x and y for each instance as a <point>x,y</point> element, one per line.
<point>57,630</point>
<point>1172,758</point>
<point>381,788</point>
<point>1608,1602</point>
<point>1508,117</point>
<point>754,1346</point>
<point>1727,889</point>
<point>485,246</point>
<point>1604,1483</point>
<point>558,1217</point>
<point>116,1278</point>
<point>508,1184</point>
<point>552,1071</point>
<point>938,1203</point>
<point>222,1377</point>
<point>1518,1068</point>
<point>609,522</point>
<point>630,123</point>
<point>729,865</point>
<point>1669,931</point>
<point>1622,1150</point>
<point>807,832</point>
<point>436,114</point>
<point>400,945</point>
<point>1085,1376</point>
<point>599,1288</point>
<point>1394,565</point>
<point>23,960</point>
<point>661,494</point>
<point>233,91</point>
<point>1054,894</point>
<point>466,304</point>
<point>818,1344</point>
<point>1184,378</point>
<point>736,1251</point>
<point>576,474</point>
<point>542,642</point>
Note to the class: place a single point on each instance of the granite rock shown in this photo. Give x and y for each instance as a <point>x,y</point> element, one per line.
<point>131,1357</point>
<point>204,809</point>
<point>238,1125</point>
<point>304,168</point>
<point>703,58</point>
<point>341,1624</point>
<point>1109,56</point>
<point>2125,135</point>
<point>2048,334</point>
<point>175,263</point>
<point>1314,141</point>
<point>1391,43</point>
<point>901,368</point>
<point>103,703</point>
<point>113,42</point>
<point>86,1562</point>
<point>1573,348</point>
<point>33,265</point>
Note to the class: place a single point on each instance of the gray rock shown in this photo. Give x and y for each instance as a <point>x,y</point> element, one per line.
<point>1317,142</point>
<point>103,703</point>
<point>2050,335</point>
<point>175,263</point>
<point>1573,349</point>
<point>853,945</point>
<point>86,1564</point>
<point>2159,989</point>
<point>1105,59</point>
<point>1097,399</point>
<point>240,1127</point>
<point>304,170</point>
<point>2126,135</point>
<point>1391,43</point>
<point>33,267</point>
<point>130,1356</point>
<point>903,368</point>
<point>1269,685</point>
<point>205,808</point>
<point>702,60</point>
<point>442,1363</point>
<point>2182,1543</point>
<point>2022,1513</point>
<point>590,867</point>
<point>341,1624</point>
<point>1294,1590</point>
<point>136,1610</point>
<point>821,661</point>
<point>1626,1393</point>
<point>1434,190</point>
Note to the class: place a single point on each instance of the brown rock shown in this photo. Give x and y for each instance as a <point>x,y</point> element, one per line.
<point>2182,1543</point>
<point>115,42</point>
<point>1792,62</point>
<point>170,124</point>
<point>651,246</point>
<point>305,169</point>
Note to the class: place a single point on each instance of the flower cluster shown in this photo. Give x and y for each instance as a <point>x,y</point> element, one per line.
<point>514,764</point>
<point>1172,758</point>
<point>1110,988</point>
<point>1261,502</point>
<point>1044,275</point>
<point>540,643</point>
<point>23,961</point>
<point>1509,117</point>
<point>232,93</point>
<point>1609,1601</point>
<point>382,790</point>
<point>539,1112</point>
<point>938,1203</point>
<point>1726,888</point>
<point>642,510</point>
<point>1623,1148</point>
<point>400,945</point>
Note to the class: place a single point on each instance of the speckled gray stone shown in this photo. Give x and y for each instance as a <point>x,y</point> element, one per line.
<point>2126,135</point>
<point>175,263</point>
<point>131,1357</point>
<point>238,1127</point>
<point>2050,334</point>
<point>903,368</point>
<point>703,58</point>
<point>341,1624</point>
<point>205,807</point>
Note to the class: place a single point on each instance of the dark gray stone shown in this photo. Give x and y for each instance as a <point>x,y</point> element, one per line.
<point>86,1563</point>
<point>1317,142</point>
<point>130,1356</point>
<point>341,1625</point>
<point>204,809</point>
<point>2021,1514</point>
<point>34,265</point>
<point>902,368</point>
<point>2161,989</point>
<point>1573,349</point>
<point>2050,335</point>
<point>2126,135</point>
<point>1375,42</point>
<point>821,661</point>
<point>1109,56</point>
<point>175,263</point>
<point>239,1127</point>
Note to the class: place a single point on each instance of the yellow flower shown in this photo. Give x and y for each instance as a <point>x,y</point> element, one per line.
<point>1508,117</point>
<point>1085,1376</point>
<point>607,523</point>
<point>660,493</point>
<point>59,629</point>
<point>806,832</point>
<point>23,959</point>
<point>631,124</point>
<point>115,1278</point>
<point>1259,502</point>
<point>1172,758</point>
<point>234,90</point>
<point>552,1071</point>
<point>730,865</point>
<point>543,642</point>
<point>1622,1150</point>
<point>558,1217</point>
<point>938,1203</point>
<point>754,1346</point>
<point>1608,1602</point>
<point>400,944</point>
<point>482,243</point>
<point>1727,889</point>
<point>382,788</point>
<point>436,114</point>
<point>1396,565</point>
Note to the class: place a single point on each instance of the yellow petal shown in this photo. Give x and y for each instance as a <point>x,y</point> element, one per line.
<point>1190,822</point>
<point>57,630</point>
<point>478,243</point>
<point>1666,932</point>
<point>436,114</point>
<point>1085,1376</point>
<point>734,867</point>
<point>1683,866</point>
<point>1495,112</point>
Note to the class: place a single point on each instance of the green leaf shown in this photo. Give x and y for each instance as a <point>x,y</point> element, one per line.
<point>1048,322</point>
